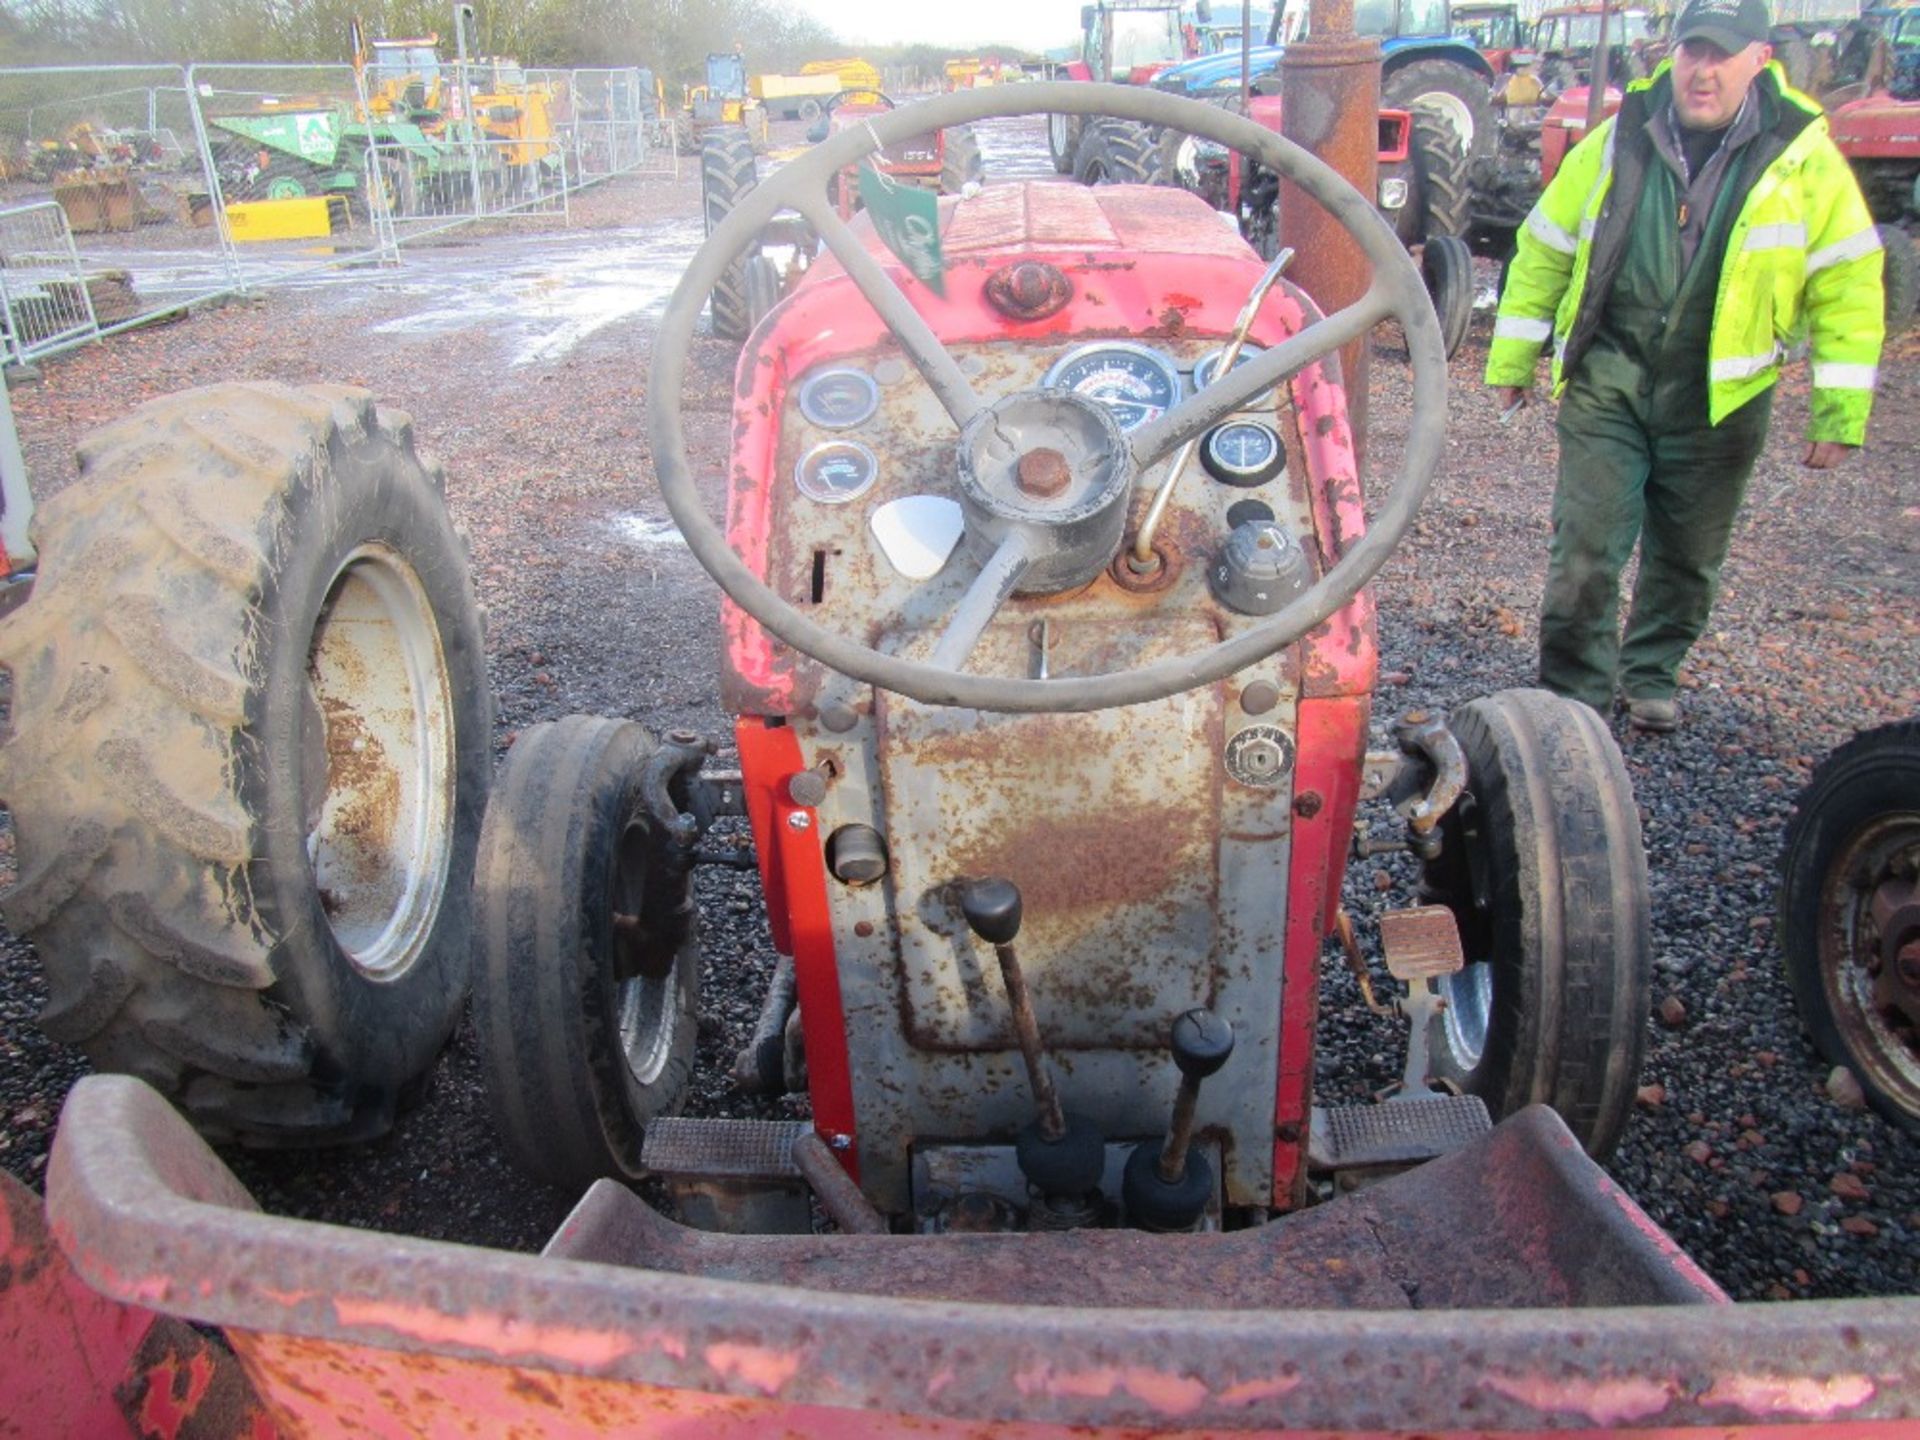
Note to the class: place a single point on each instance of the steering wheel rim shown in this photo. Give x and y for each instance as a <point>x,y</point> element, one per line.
<point>1396,291</point>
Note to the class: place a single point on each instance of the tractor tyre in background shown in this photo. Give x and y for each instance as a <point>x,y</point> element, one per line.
<point>1449,92</point>
<point>1900,278</point>
<point>960,160</point>
<point>1542,864</point>
<point>727,172</point>
<point>1446,264</point>
<point>1118,152</point>
<point>1063,140</point>
<point>248,758</point>
<point>1442,199</point>
<point>808,110</point>
<point>1850,904</point>
<point>586,1022</point>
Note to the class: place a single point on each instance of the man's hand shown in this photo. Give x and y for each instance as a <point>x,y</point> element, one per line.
<point>1509,399</point>
<point>1825,454</point>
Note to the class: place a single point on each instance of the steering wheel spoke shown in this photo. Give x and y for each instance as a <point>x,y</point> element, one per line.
<point>982,601</point>
<point>916,337</point>
<point>1256,376</point>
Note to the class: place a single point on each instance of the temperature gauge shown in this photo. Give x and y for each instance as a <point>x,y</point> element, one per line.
<point>839,399</point>
<point>1243,452</point>
<point>836,471</point>
<point>1207,364</point>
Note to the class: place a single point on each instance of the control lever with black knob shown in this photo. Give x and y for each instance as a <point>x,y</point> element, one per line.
<point>1167,1183</point>
<point>1061,1155</point>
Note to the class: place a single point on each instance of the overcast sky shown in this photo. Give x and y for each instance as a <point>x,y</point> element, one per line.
<point>1032,24</point>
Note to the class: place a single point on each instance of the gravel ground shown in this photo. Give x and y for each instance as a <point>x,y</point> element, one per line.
<point>523,361</point>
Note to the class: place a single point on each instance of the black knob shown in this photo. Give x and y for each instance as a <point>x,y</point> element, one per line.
<point>1202,1041</point>
<point>992,908</point>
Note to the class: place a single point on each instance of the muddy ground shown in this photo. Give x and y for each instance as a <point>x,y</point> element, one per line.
<point>523,358</point>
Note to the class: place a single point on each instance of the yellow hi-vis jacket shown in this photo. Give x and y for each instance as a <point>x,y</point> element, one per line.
<point>1803,261</point>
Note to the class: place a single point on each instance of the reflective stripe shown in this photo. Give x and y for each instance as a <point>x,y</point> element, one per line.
<point>1518,327</point>
<point>1775,237</point>
<point>1830,376</point>
<point>1742,367</point>
<point>1863,242</point>
<point>1550,234</point>
<point>1586,228</point>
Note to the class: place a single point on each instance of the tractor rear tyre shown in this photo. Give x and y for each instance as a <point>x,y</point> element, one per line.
<point>249,754</point>
<point>1848,871</point>
<point>960,160</point>
<point>587,998</point>
<point>1446,264</point>
<point>1118,152</point>
<point>1542,865</point>
<point>1900,278</point>
<point>1063,141</point>
<point>1449,92</point>
<point>1441,202</point>
<point>727,173</point>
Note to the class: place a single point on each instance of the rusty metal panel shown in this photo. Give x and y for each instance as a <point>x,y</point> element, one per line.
<point>453,1339</point>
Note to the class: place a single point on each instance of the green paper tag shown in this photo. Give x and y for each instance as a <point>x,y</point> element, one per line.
<point>908,219</point>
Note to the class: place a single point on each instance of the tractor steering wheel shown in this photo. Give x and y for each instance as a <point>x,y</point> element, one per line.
<point>1052,541</point>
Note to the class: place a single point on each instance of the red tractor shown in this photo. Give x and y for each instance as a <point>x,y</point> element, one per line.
<point>1053,665</point>
<point>1879,134</point>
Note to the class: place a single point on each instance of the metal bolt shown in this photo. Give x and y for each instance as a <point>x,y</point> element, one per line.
<point>1259,697</point>
<point>799,820</point>
<point>840,1142</point>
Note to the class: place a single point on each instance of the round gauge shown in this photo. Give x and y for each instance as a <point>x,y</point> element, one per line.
<point>1243,452</point>
<point>836,471</point>
<point>1204,367</point>
<point>1135,383</point>
<point>839,399</point>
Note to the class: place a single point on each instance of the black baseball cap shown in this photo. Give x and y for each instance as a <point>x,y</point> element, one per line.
<point>1731,24</point>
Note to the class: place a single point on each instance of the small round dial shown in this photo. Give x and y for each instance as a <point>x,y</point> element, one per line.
<point>836,471</point>
<point>1243,452</point>
<point>839,399</point>
<point>1135,383</point>
<point>1207,364</point>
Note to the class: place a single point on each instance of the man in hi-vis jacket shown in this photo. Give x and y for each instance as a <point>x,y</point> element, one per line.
<point>1680,251</point>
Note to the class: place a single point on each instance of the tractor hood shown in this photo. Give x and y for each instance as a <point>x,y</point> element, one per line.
<point>1215,74</point>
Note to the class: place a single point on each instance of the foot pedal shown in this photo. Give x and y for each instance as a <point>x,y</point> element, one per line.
<point>679,1148</point>
<point>734,1176</point>
<point>1422,943</point>
<point>1398,1132</point>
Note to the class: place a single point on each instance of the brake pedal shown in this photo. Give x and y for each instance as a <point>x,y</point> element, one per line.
<point>1403,1131</point>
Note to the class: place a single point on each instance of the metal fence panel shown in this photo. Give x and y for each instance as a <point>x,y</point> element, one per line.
<point>45,302</point>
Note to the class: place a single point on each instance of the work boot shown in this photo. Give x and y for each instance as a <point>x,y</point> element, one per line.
<point>1658,717</point>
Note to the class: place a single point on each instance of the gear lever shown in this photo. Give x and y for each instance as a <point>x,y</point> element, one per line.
<point>1167,1183</point>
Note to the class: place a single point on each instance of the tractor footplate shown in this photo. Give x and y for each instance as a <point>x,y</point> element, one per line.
<point>732,1175</point>
<point>1399,1132</point>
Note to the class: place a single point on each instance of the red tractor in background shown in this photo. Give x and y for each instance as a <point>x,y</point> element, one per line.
<point>1879,133</point>
<point>1052,664</point>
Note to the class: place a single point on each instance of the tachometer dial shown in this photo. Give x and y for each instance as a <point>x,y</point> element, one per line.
<point>1243,452</point>
<point>1135,383</point>
<point>836,471</point>
<point>839,399</point>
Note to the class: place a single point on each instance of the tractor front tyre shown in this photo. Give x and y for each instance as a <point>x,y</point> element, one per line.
<point>1900,278</point>
<point>1447,92</point>
<point>1849,902</point>
<point>960,164</point>
<point>1063,140</point>
<point>1542,864</point>
<point>586,1002</point>
<point>727,172</point>
<point>1446,264</point>
<point>1118,152</point>
<point>249,755</point>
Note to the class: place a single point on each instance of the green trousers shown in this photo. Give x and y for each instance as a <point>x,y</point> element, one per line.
<point>1638,462</point>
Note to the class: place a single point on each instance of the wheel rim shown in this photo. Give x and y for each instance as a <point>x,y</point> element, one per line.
<point>1057,133</point>
<point>1874,1000</point>
<point>1452,111</point>
<point>643,1003</point>
<point>381,730</point>
<point>1469,997</point>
